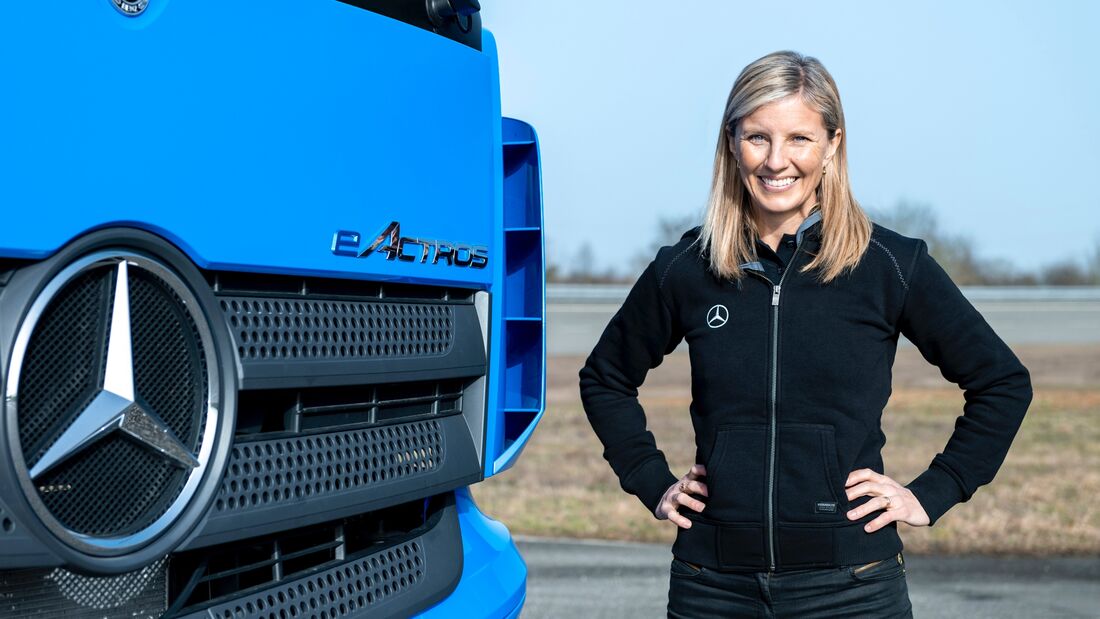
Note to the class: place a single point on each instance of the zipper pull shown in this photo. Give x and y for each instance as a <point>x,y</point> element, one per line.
<point>775,296</point>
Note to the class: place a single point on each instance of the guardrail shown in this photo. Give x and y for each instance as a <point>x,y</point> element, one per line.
<point>607,293</point>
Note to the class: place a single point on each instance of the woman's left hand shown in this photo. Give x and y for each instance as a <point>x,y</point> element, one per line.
<point>898,501</point>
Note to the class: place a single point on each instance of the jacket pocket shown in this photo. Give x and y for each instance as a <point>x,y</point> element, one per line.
<point>735,478</point>
<point>809,484</point>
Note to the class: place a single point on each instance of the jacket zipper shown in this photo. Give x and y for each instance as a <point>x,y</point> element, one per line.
<point>776,288</point>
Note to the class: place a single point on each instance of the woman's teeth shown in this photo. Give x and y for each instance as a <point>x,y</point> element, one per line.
<point>778,182</point>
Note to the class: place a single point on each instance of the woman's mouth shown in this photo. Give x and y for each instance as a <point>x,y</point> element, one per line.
<point>777,184</point>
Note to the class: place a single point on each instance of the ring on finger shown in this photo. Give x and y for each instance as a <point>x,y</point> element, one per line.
<point>888,503</point>
<point>683,486</point>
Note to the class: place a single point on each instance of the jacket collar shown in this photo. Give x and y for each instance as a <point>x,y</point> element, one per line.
<point>811,224</point>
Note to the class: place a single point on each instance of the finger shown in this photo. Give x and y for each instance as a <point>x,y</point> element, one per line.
<point>859,475</point>
<point>867,488</point>
<point>699,469</point>
<point>680,521</point>
<point>886,518</point>
<point>697,487</point>
<point>874,504</point>
<point>685,499</point>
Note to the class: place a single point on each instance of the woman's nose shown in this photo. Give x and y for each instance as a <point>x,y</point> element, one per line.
<point>777,159</point>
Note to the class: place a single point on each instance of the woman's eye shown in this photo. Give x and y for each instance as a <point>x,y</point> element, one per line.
<point>802,138</point>
<point>756,139</point>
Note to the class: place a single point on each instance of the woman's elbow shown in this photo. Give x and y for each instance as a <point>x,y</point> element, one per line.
<point>1021,388</point>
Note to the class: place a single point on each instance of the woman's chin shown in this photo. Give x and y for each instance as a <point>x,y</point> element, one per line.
<point>772,205</point>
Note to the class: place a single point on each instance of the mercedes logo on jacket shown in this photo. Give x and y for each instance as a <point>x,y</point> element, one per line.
<point>717,316</point>
<point>788,396</point>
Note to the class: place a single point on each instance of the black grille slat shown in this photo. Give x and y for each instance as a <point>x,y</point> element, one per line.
<point>279,329</point>
<point>304,571</point>
<point>282,471</point>
<point>340,591</point>
<point>381,403</point>
<point>57,592</point>
<point>293,331</point>
<point>277,558</point>
<point>267,413</point>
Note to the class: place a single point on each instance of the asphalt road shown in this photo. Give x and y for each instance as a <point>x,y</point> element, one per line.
<point>598,580</point>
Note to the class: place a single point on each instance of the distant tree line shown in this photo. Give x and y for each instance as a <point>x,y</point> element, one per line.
<point>953,250</point>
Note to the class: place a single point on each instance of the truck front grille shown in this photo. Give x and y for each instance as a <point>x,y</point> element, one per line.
<point>292,469</point>
<point>335,569</point>
<point>278,328</point>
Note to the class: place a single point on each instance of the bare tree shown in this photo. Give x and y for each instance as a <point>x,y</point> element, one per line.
<point>1092,262</point>
<point>955,252</point>
<point>670,228</point>
<point>1065,272</point>
<point>554,270</point>
<point>585,270</point>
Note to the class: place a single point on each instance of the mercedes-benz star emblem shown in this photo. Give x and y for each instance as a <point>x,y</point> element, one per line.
<point>114,403</point>
<point>114,406</point>
<point>131,8</point>
<point>717,316</point>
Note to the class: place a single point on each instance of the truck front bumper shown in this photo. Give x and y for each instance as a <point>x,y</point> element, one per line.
<point>494,576</point>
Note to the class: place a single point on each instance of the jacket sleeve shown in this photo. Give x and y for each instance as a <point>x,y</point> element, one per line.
<point>951,334</point>
<point>636,340</point>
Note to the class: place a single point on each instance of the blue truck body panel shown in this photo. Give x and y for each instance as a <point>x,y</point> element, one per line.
<point>494,578</point>
<point>249,135</point>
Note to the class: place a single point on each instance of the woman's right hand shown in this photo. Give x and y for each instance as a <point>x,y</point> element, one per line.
<point>679,495</point>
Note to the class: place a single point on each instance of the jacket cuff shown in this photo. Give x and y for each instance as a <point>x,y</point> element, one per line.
<point>650,481</point>
<point>937,492</point>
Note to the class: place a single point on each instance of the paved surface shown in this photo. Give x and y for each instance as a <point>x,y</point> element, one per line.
<point>576,315</point>
<point>592,579</point>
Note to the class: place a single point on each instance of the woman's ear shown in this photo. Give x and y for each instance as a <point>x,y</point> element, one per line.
<point>834,144</point>
<point>731,138</point>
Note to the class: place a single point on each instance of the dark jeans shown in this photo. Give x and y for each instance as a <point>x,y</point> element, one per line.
<point>873,590</point>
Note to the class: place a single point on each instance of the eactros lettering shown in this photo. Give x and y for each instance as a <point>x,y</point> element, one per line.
<point>410,249</point>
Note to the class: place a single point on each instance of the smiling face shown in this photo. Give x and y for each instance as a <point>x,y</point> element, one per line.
<point>781,149</point>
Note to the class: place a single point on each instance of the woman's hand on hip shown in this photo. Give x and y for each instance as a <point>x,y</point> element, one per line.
<point>679,494</point>
<point>886,494</point>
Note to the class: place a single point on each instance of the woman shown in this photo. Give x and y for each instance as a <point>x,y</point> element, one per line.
<point>791,301</point>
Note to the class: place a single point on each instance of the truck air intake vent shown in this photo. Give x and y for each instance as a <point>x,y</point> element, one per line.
<point>290,470</point>
<point>58,592</point>
<point>335,569</point>
<point>278,329</point>
<point>294,332</point>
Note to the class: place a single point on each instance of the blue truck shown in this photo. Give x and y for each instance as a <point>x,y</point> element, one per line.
<point>271,300</point>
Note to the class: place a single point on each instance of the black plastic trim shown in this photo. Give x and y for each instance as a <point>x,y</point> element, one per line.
<point>441,546</point>
<point>460,467</point>
<point>420,13</point>
<point>465,357</point>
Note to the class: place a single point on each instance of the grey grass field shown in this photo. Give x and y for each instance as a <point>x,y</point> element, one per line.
<point>1041,503</point>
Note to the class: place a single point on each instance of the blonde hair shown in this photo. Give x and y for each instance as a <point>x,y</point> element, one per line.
<point>729,229</point>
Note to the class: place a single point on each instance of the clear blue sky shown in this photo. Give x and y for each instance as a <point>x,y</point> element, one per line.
<point>987,111</point>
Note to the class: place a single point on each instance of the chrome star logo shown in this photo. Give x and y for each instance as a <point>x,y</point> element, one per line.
<point>115,407</point>
<point>717,316</point>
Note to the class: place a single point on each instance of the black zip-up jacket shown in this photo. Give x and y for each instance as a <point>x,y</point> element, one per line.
<point>789,379</point>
